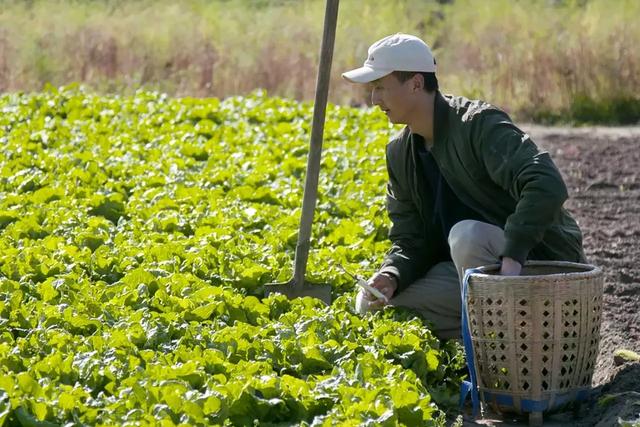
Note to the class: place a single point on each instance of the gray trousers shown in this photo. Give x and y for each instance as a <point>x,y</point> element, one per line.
<point>436,296</point>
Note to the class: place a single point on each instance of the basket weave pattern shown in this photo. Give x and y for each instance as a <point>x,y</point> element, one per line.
<point>535,336</point>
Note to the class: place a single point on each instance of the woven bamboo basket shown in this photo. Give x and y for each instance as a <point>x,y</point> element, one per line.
<point>535,336</point>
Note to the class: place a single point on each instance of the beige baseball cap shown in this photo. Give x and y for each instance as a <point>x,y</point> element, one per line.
<point>398,52</point>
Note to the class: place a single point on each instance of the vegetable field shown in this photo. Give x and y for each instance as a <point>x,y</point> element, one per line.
<point>136,235</point>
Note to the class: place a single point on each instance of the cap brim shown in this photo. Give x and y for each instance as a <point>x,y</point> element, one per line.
<point>365,75</point>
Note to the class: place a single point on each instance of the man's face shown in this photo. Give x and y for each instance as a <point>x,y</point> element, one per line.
<point>394,98</point>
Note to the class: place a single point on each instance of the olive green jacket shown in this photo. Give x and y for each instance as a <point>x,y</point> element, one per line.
<point>494,168</point>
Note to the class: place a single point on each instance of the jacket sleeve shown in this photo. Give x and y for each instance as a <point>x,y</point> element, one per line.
<point>514,163</point>
<point>407,257</point>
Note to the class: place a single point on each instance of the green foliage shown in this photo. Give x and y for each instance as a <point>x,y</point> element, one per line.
<point>559,61</point>
<point>136,235</point>
<point>622,110</point>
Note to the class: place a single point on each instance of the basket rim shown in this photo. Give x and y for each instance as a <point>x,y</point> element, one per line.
<point>589,271</point>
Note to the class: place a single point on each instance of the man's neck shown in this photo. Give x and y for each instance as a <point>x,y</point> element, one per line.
<point>421,122</point>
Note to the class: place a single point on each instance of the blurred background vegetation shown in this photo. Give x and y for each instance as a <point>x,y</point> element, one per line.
<point>572,61</point>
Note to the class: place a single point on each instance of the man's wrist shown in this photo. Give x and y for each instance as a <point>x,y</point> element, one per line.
<point>392,273</point>
<point>391,276</point>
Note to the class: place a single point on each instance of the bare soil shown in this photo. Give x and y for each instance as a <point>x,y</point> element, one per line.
<point>601,167</point>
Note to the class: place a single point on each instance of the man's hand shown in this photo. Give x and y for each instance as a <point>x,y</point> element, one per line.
<point>510,267</point>
<point>385,283</point>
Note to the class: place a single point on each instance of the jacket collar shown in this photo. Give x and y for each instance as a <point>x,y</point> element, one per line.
<point>440,119</point>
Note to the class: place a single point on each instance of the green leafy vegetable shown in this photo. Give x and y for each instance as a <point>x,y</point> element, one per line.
<point>136,237</point>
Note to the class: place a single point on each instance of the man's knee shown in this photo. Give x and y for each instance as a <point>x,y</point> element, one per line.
<point>464,235</point>
<point>470,240</point>
<point>468,228</point>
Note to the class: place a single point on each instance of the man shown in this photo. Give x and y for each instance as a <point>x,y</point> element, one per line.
<point>466,188</point>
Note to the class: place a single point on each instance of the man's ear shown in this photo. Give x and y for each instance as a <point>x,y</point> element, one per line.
<point>418,82</point>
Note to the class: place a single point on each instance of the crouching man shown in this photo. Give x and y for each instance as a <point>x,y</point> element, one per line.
<point>466,188</point>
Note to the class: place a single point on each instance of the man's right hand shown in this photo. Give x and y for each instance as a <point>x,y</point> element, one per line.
<point>385,283</point>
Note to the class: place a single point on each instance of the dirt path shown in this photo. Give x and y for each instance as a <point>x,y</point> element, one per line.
<point>601,167</point>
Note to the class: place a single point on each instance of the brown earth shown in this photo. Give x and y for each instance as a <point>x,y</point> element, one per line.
<point>601,167</point>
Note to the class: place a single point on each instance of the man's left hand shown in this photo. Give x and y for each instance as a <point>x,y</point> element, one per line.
<point>510,267</point>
